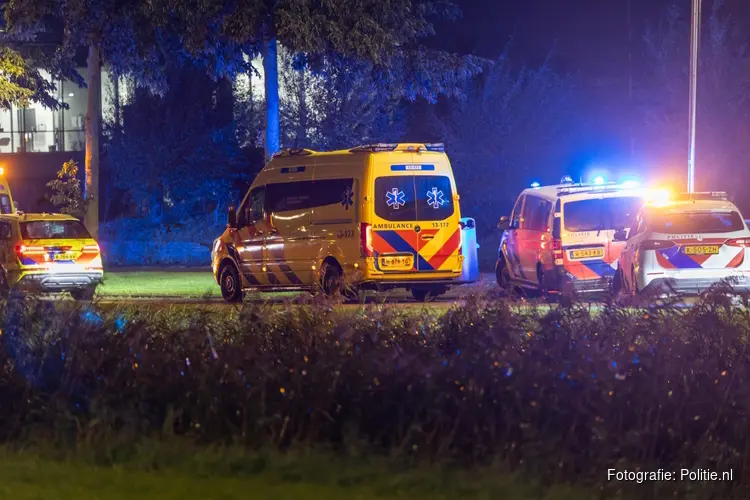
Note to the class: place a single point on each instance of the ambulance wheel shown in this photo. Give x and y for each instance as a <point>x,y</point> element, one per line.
<point>83,294</point>
<point>617,283</point>
<point>331,279</point>
<point>424,294</point>
<point>230,283</point>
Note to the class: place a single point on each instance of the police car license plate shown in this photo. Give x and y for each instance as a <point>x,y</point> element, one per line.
<point>702,250</point>
<point>398,262</point>
<point>64,256</point>
<point>587,253</point>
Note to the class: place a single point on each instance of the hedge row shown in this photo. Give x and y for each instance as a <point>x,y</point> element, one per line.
<point>562,394</point>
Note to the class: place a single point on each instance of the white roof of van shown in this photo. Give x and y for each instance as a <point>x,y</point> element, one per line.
<point>582,191</point>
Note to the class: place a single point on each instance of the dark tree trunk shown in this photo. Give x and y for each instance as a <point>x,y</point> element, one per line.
<point>271,76</point>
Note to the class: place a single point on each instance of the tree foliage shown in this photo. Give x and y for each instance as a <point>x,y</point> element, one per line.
<point>513,126</point>
<point>170,161</point>
<point>723,97</point>
<point>67,195</point>
<point>338,105</point>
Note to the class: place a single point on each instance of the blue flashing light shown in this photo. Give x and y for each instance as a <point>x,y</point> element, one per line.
<point>631,184</point>
<point>535,184</point>
<point>599,180</point>
<point>566,179</point>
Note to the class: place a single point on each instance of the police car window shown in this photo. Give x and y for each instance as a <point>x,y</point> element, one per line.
<point>5,204</point>
<point>395,199</point>
<point>53,230</point>
<point>696,222</point>
<point>601,213</point>
<point>434,197</point>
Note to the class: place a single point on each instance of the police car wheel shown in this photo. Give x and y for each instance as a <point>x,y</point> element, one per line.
<point>230,283</point>
<point>633,282</point>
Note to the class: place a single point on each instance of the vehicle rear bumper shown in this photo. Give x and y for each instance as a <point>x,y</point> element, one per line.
<point>696,286</point>
<point>386,284</point>
<point>571,286</point>
<point>60,282</point>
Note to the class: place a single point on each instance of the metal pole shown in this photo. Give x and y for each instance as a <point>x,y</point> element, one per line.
<point>694,46</point>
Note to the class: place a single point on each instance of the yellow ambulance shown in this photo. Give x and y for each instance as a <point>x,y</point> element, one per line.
<point>374,217</point>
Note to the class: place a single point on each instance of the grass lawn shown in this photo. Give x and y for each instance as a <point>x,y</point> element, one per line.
<point>26,476</point>
<point>188,284</point>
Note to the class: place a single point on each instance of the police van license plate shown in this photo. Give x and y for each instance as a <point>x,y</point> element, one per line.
<point>702,250</point>
<point>397,262</point>
<point>587,253</point>
<point>64,256</point>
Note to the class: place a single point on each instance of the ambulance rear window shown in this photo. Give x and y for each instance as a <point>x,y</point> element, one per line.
<point>414,198</point>
<point>53,230</point>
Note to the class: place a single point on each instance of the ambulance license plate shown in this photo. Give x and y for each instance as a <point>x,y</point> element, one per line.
<point>397,262</point>
<point>587,253</point>
<point>64,256</point>
<point>702,250</point>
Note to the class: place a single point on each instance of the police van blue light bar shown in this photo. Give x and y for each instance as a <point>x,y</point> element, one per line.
<point>535,185</point>
<point>599,180</point>
<point>403,168</point>
<point>566,179</point>
<point>706,195</point>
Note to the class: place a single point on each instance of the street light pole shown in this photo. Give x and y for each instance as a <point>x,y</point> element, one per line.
<point>695,33</point>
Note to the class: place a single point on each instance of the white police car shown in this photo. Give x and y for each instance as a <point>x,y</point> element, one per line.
<point>686,245</point>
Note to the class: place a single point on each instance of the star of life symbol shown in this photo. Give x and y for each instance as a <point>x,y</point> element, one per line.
<point>435,198</point>
<point>346,198</point>
<point>395,198</point>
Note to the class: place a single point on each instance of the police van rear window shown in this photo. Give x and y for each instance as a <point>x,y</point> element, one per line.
<point>696,222</point>
<point>414,198</point>
<point>53,230</point>
<point>600,213</point>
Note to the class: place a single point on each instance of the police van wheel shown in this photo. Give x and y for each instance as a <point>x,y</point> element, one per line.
<point>83,294</point>
<point>502,274</point>
<point>230,283</point>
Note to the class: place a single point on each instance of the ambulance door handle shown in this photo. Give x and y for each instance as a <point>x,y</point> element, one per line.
<point>428,236</point>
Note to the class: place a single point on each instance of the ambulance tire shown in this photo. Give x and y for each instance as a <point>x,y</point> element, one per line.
<point>617,283</point>
<point>83,294</point>
<point>230,283</point>
<point>331,279</point>
<point>425,294</point>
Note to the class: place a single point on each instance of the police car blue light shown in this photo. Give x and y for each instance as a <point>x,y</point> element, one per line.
<point>535,184</point>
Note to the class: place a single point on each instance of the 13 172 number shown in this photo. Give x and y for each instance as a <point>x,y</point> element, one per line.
<point>347,233</point>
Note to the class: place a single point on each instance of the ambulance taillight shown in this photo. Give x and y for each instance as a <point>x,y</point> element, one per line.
<point>365,239</point>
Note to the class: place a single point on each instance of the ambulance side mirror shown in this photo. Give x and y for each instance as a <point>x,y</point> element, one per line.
<point>232,218</point>
<point>620,235</point>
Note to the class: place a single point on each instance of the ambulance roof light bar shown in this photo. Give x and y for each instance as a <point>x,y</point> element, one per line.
<point>437,147</point>
<point>293,152</point>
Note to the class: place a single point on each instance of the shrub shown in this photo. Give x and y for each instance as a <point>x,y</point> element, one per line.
<point>561,394</point>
